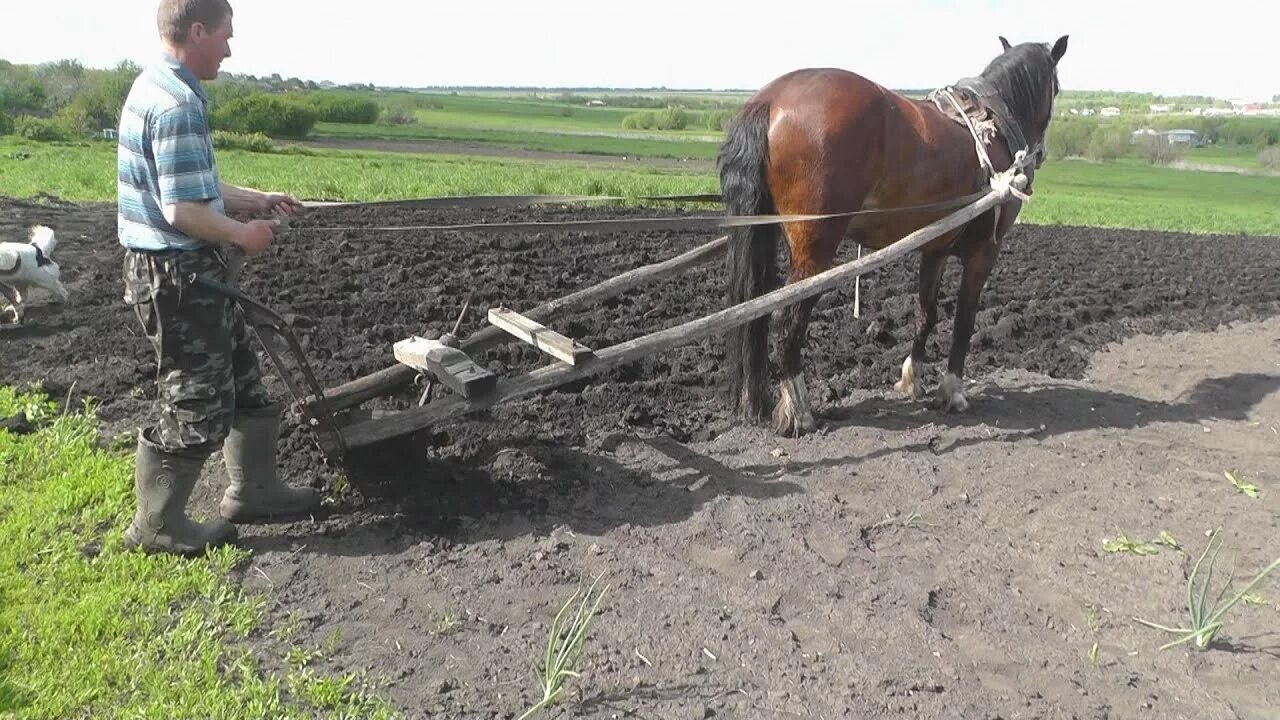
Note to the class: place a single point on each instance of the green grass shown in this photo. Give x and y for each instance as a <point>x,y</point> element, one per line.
<point>513,113</point>
<point>1132,194</point>
<point>1124,194</point>
<point>1234,156</point>
<point>88,629</point>
<point>472,110</point>
<point>87,173</point>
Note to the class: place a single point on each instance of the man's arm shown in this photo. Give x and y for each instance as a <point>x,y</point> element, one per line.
<point>188,183</point>
<point>201,221</point>
<point>248,200</point>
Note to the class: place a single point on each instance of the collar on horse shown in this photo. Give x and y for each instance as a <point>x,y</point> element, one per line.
<point>974,103</point>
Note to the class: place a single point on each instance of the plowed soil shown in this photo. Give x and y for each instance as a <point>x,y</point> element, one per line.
<point>897,563</point>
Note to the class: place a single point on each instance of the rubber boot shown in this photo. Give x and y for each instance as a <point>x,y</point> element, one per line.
<point>255,492</point>
<point>163,482</point>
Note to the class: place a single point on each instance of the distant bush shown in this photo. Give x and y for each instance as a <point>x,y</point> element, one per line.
<point>261,113</point>
<point>668,119</point>
<point>39,129</point>
<point>6,124</point>
<point>252,142</point>
<point>1270,158</point>
<point>340,108</point>
<point>1157,150</point>
<point>396,116</point>
<point>1108,143</point>
<point>718,120</point>
<point>673,119</point>
<point>640,121</point>
<point>1070,138</point>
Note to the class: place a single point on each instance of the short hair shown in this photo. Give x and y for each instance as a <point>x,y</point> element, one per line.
<point>175,17</point>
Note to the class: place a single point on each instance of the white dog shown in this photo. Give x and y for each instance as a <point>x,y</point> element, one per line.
<point>27,265</point>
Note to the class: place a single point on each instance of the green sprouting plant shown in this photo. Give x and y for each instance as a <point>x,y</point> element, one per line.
<point>448,624</point>
<point>1206,618</point>
<point>564,645</point>
<point>1124,544</point>
<point>1167,539</point>
<point>1246,488</point>
<point>1095,624</point>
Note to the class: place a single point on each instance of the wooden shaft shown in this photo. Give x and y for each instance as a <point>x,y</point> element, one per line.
<point>373,431</point>
<point>371,386</point>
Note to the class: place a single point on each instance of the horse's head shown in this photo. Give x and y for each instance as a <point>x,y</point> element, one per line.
<point>1026,78</point>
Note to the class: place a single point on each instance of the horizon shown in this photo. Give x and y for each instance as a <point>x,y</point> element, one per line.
<point>1167,49</point>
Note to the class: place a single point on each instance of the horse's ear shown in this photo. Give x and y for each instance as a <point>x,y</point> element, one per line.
<point>1005,43</point>
<point>1059,49</point>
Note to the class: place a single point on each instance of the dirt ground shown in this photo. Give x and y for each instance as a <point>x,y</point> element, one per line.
<point>897,563</point>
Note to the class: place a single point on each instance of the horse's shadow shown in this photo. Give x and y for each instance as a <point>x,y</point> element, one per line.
<point>1041,412</point>
<point>593,492</point>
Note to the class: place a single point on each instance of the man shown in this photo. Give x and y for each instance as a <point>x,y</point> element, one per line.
<point>173,222</point>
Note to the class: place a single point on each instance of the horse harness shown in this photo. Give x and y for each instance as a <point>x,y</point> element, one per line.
<point>973,103</point>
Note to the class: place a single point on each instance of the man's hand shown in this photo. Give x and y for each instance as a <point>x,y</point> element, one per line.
<point>280,204</point>
<point>247,201</point>
<point>255,236</point>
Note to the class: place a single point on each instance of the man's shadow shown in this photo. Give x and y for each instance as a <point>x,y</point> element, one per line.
<point>526,488</point>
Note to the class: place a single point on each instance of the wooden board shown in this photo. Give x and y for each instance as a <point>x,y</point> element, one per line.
<point>547,340</point>
<point>447,364</point>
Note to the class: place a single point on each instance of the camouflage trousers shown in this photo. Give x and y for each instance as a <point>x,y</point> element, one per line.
<point>205,365</point>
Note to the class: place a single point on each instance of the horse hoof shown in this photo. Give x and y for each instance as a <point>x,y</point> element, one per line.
<point>909,384</point>
<point>950,397</point>
<point>793,426</point>
<point>911,390</point>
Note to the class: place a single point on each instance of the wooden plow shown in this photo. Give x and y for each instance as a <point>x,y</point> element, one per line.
<point>340,426</point>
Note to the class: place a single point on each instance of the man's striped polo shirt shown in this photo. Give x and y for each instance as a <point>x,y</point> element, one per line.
<point>165,156</point>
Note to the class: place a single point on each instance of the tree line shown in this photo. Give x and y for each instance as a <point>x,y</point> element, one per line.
<point>64,100</point>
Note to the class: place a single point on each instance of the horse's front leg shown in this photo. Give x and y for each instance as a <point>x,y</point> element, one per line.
<point>977,268</point>
<point>931,265</point>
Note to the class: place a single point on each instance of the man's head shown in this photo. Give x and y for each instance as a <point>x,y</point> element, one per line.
<point>197,33</point>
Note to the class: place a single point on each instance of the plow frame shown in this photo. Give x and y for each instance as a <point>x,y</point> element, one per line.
<point>331,413</point>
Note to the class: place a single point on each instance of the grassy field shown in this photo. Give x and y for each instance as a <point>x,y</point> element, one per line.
<point>618,143</point>
<point>470,111</point>
<point>1127,194</point>
<point>529,123</point>
<point>88,629</point>
<point>1235,156</point>
<point>87,172</point>
<point>1132,194</point>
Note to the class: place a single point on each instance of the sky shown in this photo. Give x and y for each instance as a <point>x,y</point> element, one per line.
<point>1225,48</point>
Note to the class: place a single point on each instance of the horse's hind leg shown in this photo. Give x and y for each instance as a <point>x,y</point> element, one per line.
<point>977,268</point>
<point>931,265</point>
<point>813,249</point>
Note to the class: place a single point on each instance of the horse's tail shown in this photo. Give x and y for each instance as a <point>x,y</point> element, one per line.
<point>744,185</point>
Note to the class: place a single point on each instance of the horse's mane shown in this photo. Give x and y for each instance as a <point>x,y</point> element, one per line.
<point>1018,76</point>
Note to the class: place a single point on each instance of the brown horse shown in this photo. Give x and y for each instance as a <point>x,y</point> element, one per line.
<point>823,141</point>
